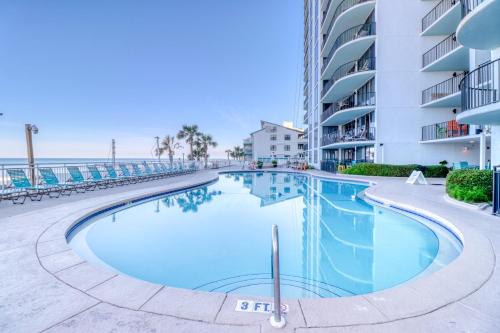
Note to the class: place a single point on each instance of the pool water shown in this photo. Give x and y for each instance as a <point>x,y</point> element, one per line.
<point>218,238</point>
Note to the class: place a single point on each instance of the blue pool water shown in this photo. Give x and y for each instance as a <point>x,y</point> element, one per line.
<point>218,238</point>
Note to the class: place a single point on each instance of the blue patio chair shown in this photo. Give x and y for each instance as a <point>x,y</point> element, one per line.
<point>137,172</point>
<point>158,170</point>
<point>50,178</point>
<point>98,178</point>
<point>78,178</point>
<point>149,172</point>
<point>166,170</point>
<point>120,180</point>
<point>35,192</point>
<point>126,173</point>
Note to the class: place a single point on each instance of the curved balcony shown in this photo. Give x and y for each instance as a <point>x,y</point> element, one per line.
<point>347,78</point>
<point>347,14</point>
<point>480,25</point>
<point>443,19</point>
<point>348,109</point>
<point>356,137</point>
<point>481,95</point>
<point>444,94</point>
<point>351,44</point>
<point>447,55</point>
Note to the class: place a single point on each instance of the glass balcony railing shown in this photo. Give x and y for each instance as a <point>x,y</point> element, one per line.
<point>353,101</point>
<point>442,89</point>
<point>352,67</point>
<point>481,86</point>
<point>444,130</point>
<point>442,7</point>
<point>444,47</point>
<point>362,133</point>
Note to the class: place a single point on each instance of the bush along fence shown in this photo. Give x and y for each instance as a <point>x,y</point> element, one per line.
<point>470,185</point>
<point>388,170</point>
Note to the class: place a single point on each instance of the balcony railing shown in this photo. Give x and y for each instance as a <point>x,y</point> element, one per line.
<point>359,31</point>
<point>341,8</point>
<point>469,5</point>
<point>444,130</point>
<point>359,134</point>
<point>444,47</point>
<point>326,11</point>
<point>353,101</point>
<point>442,89</point>
<point>361,65</point>
<point>442,7</point>
<point>480,87</point>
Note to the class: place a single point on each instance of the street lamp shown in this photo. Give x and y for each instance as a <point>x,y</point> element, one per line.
<point>31,129</point>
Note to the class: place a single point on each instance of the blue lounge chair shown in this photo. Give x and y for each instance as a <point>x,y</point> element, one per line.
<point>22,184</point>
<point>149,172</point>
<point>78,178</point>
<point>126,173</point>
<point>137,172</point>
<point>98,178</point>
<point>120,180</point>
<point>50,178</point>
<point>159,170</point>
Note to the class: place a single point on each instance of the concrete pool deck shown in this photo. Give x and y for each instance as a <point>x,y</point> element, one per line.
<point>46,287</point>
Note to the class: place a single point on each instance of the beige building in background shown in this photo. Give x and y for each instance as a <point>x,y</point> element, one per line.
<point>275,142</point>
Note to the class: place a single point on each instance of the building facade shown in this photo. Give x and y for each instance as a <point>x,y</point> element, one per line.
<point>381,83</point>
<point>275,142</point>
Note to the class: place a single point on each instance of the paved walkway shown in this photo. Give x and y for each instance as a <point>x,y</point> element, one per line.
<point>46,287</point>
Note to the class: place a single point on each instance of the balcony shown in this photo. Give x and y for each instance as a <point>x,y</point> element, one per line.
<point>347,14</point>
<point>347,78</point>
<point>306,118</point>
<point>348,109</point>
<point>443,94</point>
<point>480,95</point>
<point>351,138</point>
<point>448,55</point>
<point>480,25</point>
<point>443,19</point>
<point>349,45</point>
<point>444,131</point>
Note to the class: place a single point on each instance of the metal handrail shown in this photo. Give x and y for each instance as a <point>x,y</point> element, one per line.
<point>469,5</point>
<point>442,7</point>
<point>444,47</point>
<point>352,67</point>
<point>358,31</point>
<point>355,100</point>
<point>277,320</point>
<point>443,89</point>
<point>481,86</point>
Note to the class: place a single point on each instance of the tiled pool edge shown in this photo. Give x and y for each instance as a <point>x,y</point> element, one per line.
<point>358,310</point>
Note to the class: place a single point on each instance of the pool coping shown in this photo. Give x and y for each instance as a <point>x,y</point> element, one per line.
<point>411,299</point>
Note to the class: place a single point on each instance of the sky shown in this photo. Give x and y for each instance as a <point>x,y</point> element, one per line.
<point>86,72</point>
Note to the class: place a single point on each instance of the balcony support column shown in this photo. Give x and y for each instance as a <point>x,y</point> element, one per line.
<point>482,151</point>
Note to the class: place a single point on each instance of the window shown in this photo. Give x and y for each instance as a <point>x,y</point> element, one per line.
<point>300,136</point>
<point>273,137</point>
<point>287,147</point>
<point>300,146</point>
<point>287,137</point>
<point>273,148</point>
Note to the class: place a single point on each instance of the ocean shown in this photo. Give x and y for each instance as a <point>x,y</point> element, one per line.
<point>58,161</point>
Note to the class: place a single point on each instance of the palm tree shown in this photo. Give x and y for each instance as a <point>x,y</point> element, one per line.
<point>169,146</point>
<point>229,152</point>
<point>189,133</point>
<point>206,141</point>
<point>238,152</point>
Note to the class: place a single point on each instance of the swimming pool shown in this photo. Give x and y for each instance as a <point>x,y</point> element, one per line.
<point>218,238</point>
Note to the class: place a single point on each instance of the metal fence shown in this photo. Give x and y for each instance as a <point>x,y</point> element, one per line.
<point>61,169</point>
<point>442,89</point>
<point>444,130</point>
<point>442,7</point>
<point>481,86</point>
<point>469,5</point>
<point>442,48</point>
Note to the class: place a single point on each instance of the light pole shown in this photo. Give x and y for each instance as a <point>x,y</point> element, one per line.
<point>31,129</point>
<point>157,138</point>
<point>113,152</point>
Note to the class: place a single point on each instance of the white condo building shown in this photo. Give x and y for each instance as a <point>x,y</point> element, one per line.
<point>275,142</point>
<point>382,81</point>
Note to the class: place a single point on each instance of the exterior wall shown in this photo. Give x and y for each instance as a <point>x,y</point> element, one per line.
<point>261,143</point>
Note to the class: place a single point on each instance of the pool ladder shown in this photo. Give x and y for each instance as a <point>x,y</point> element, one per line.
<point>276,320</point>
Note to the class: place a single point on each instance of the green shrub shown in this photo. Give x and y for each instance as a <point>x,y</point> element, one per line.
<point>274,163</point>
<point>470,185</point>
<point>260,164</point>
<point>388,170</point>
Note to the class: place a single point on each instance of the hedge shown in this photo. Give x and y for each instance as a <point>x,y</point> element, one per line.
<point>470,185</point>
<point>388,170</point>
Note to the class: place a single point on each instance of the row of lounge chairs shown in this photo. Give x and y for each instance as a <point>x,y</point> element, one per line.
<point>108,176</point>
